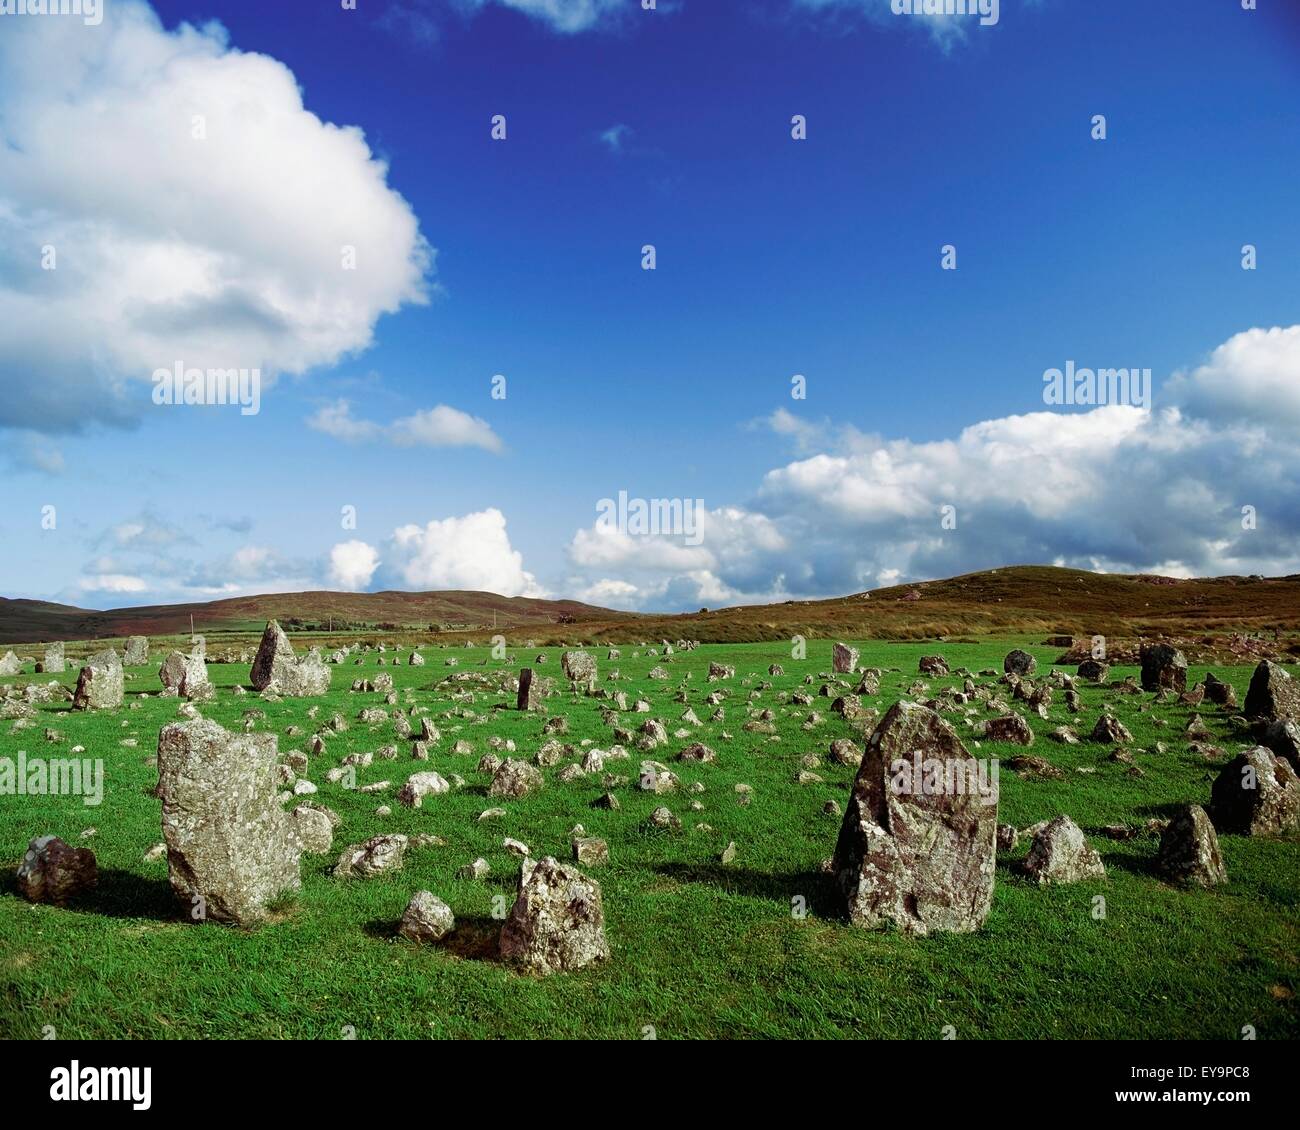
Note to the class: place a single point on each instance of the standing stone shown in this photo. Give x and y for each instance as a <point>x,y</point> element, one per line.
<point>53,663</point>
<point>1273,694</point>
<point>100,685</point>
<point>579,667</point>
<point>187,676</point>
<point>920,862</point>
<point>1189,850</point>
<point>1163,668</point>
<point>933,665</point>
<point>1019,662</point>
<point>416,660</point>
<point>10,664</point>
<point>274,657</point>
<point>1059,853</point>
<point>844,659</point>
<point>1094,670</point>
<point>1220,693</point>
<point>527,690</point>
<point>55,872</point>
<point>305,678</point>
<point>229,842</point>
<point>1256,794</point>
<point>137,651</point>
<point>557,924</point>
<point>1283,738</point>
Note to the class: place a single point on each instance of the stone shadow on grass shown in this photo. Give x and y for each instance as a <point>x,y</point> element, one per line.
<point>474,939</point>
<point>823,900</point>
<point>120,894</point>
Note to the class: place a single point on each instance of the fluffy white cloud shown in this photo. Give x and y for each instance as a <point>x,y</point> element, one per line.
<point>947,29</point>
<point>219,251</point>
<point>1207,483</point>
<point>472,552</point>
<point>352,564</point>
<point>1254,377</point>
<point>440,426</point>
<point>112,583</point>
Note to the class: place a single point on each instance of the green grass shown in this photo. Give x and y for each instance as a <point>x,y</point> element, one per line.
<point>700,950</point>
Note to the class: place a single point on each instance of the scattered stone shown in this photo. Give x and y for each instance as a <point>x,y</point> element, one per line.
<point>515,779</point>
<point>590,852</point>
<point>1189,850</point>
<point>557,924</point>
<point>1109,730</point>
<point>426,918</point>
<point>1019,662</point>
<point>1256,794</point>
<point>1008,728</point>
<point>55,872</point>
<point>1061,854</point>
<point>1163,668</point>
<point>377,856</point>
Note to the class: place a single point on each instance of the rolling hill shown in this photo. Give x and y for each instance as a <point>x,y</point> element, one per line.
<point>1018,599</point>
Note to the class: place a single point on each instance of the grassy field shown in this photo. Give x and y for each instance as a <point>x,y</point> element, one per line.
<point>700,949</point>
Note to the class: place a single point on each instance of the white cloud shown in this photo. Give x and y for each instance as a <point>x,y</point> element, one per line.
<point>220,252</point>
<point>1116,489</point>
<point>112,583</point>
<point>472,552</point>
<point>567,16</point>
<point>1254,377</point>
<point>612,138</point>
<point>352,564</point>
<point>946,29</point>
<point>440,426</point>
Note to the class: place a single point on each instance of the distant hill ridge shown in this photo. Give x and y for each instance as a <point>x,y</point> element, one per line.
<point>1015,599</point>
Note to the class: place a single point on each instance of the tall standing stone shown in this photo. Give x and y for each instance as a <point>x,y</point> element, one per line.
<point>274,656</point>
<point>231,847</point>
<point>1273,694</point>
<point>100,686</point>
<point>527,690</point>
<point>1163,668</point>
<point>579,667</point>
<point>844,659</point>
<point>186,675</point>
<point>53,663</point>
<point>137,652</point>
<point>922,861</point>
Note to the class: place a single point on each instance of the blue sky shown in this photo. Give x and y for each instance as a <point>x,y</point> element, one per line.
<point>522,257</point>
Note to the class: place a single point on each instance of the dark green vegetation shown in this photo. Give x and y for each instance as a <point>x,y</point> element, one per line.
<point>1030,599</point>
<point>700,949</point>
